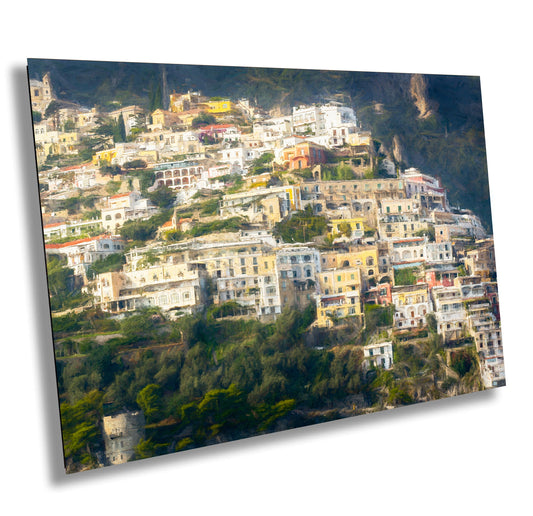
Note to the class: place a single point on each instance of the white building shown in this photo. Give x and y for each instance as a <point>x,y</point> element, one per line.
<point>407,251</point>
<point>241,157</point>
<point>379,354</point>
<point>487,334</point>
<point>123,207</point>
<point>298,263</point>
<point>178,175</point>
<point>450,312</point>
<point>168,286</point>
<point>441,252</point>
<point>70,229</point>
<point>331,122</point>
<point>425,188</point>
<point>82,253</point>
<point>273,129</point>
<point>411,304</point>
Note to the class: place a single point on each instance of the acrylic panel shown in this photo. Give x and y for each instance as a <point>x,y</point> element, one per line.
<point>237,251</point>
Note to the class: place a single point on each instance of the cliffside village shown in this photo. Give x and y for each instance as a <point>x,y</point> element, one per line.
<point>378,225</point>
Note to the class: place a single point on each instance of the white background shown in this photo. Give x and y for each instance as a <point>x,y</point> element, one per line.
<point>466,455</point>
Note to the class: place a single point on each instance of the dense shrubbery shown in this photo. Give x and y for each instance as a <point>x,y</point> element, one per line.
<point>205,228</point>
<point>253,373</point>
<point>405,276</point>
<point>303,226</point>
<point>143,230</point>
<point>206,377</point>
<point>110,263</point>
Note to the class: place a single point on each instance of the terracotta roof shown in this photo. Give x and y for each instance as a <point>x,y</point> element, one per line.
<point>328,300</point>
<point>76,242</point>
<point>75,167</point>
<point>117,196</point>
<point>54,224</point>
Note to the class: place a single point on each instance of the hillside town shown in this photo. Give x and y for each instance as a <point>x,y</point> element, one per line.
<point>214,204</point>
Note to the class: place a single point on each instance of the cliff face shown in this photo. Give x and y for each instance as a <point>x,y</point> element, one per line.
<point>419,92</point>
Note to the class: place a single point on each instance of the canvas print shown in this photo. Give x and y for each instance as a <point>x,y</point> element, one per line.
<point>236,251</point>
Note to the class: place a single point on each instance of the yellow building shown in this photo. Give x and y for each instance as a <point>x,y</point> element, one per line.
<point>218,106</point>
<point>107,155</point>
<point>338,281</point>
<point>335,307</point>
<point>365,259</point>
<point>356,226</point>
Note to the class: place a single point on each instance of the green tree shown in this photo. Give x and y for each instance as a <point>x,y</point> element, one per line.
<point>101,360</point>
<point>110,263</point>
<point>119,130</point>
<point>136,163</point>
<point>148,448</point>
<point>345,229</point>
<point>156,96</point>
<point>60,277</point>
<point>149,400</point>
<point>139,325</point>
<point>80,428</point>
<point>163,197</point>
<point>203,119</point>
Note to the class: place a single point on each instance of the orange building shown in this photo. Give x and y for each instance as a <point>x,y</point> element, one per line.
<point>304,155</point>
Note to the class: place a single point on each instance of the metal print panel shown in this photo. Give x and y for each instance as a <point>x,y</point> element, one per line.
<point>236,251</point>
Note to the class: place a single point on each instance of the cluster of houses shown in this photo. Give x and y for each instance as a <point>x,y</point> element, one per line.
<point>380,230</point>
